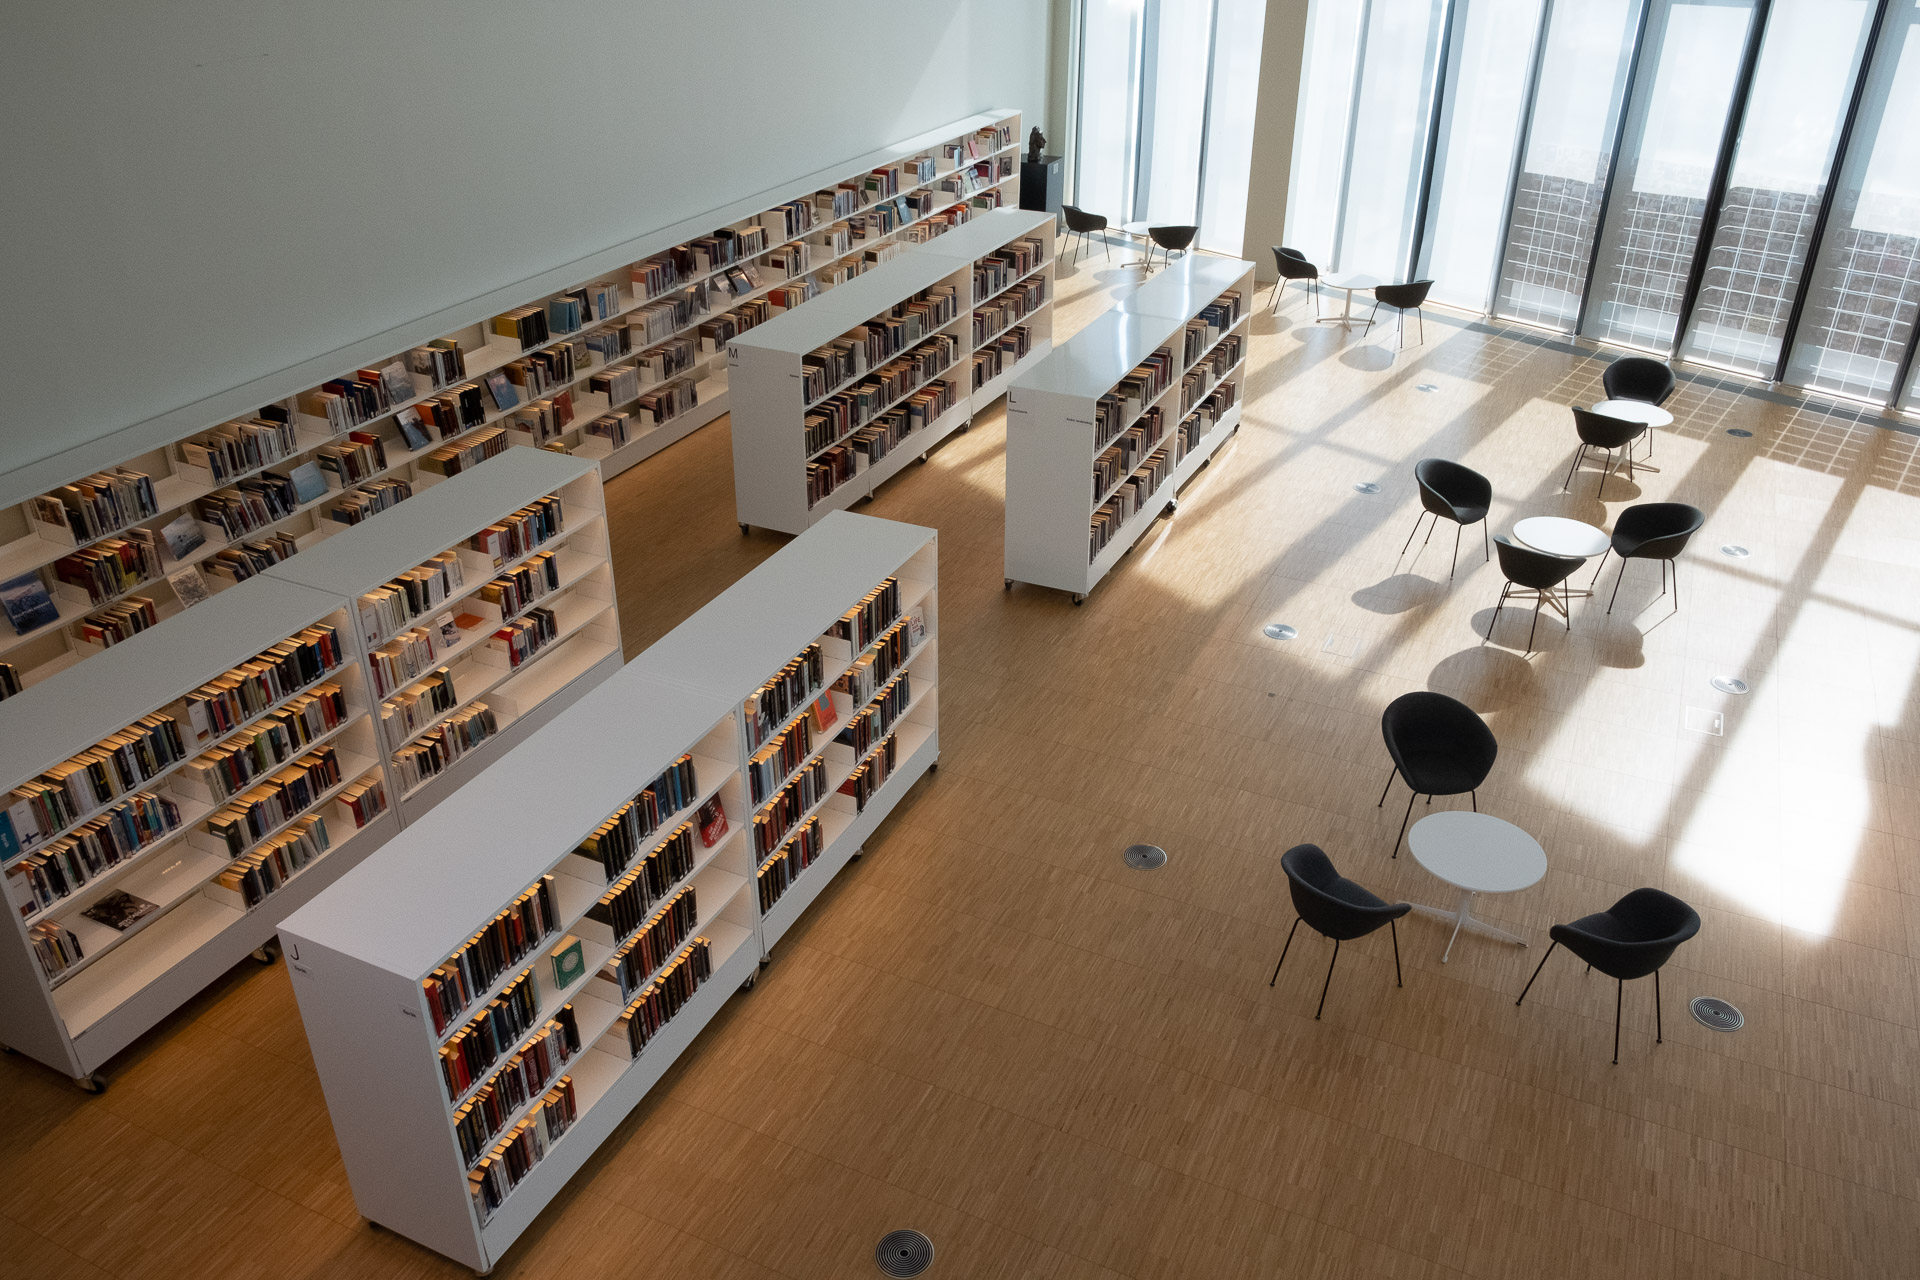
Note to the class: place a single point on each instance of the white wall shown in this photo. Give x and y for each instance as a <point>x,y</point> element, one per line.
<point>213,202</point>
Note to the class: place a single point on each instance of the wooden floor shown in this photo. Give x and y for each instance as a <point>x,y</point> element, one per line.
<point>1062,1069</point>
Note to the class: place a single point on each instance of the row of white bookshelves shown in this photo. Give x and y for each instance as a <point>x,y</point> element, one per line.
<point>1104,432</point>
<point>491,992</point>
<point>830,401</point>
<point>171,802</point>
<point>613,369</point>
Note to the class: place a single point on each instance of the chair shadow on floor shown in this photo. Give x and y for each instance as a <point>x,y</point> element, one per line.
<point>1398,594</point>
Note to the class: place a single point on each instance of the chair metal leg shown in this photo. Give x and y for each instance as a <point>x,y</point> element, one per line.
<point>1600,566</point>
<point>1486,545</point>
<point>1329,981</point>
<point>1403,823</point>
<point>1578,457</point>
<point>1430,528</point>
<point>1283,952</point>
<point>1536,973</point>
<point>1396,957</point>
<point>1456,551</point>
<point>1566,602</point>
<point>1616,584</point>
<point>1538,596</point>
<point>1676,584</point>
<point>1498,606</point>
<point>1391,774</point>
<point>1420,314</point>
<point>1370,315</point>
<point>1619,988</point>
<point>1475,797</point>
<point>1659,1037</point>
<point>1416,528</point>
<point>1400,331</point>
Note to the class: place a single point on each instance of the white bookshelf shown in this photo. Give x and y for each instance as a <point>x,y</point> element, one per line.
<point>925,205</point>
<point>586,648</point>
<point>1053,443</point>
<point>771,453</point>
<point>78,1018</point>
<point>358,956</point>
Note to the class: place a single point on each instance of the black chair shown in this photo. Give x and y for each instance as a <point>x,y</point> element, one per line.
<point>1172,240</point>
<point>1402,298</point>
<point>1638,378</point>
<point>1538,572</point>
<point>1084,224</point>
<point>1630,939</point>
<point>1599,431</point>
<point>1450,491</point>
<point>1652,531</point>
<point>1439,746</point>
<point>1335,907</point>
<point>1293,265</point>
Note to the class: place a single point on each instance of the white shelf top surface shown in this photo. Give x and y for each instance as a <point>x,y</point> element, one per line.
<point>1186,286</point>
<point>424,892</point>
<point>362,556</point>
<point>753,628</point>
<point>857,301</point>
<point>75,708</point>
<point>1108,348</point>
<point>983,233</point>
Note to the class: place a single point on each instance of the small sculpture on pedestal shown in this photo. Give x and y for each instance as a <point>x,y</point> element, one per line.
<point>1034,142</point>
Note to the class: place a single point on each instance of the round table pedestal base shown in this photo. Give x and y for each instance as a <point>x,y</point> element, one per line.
<point>1463,918</point>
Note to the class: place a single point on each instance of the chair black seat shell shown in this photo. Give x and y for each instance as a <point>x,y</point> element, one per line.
<point>1449,491</point>
<point>1630,939</point>
<point>1536,571</point>
<point>1439,746</point>
<point>1084,224</point>
<point>1653,531</point>
<point>1334,907</point>
<point>1638,378</point>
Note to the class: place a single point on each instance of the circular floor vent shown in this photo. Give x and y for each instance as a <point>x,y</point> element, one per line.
<point>903,1253</point>
<point>1740,433</point>
<point>1712,1011</point>
<point>1734,550</point>
<point>1366,486</point>
<point>1729,684</point>
<point>1145,857</point>
<point>1279,631</point>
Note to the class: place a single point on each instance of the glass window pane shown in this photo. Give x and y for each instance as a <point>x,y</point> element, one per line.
<point>1175,112</point>
<point>1389,137</point>
<point>1689,70</point>
<point>1866,279</point>
<point>1481,105</point>
<point>1320,129</point>
<point>1238,28</point>
<point>1569,147</point>
<point>1109,107</point>
<point>1808,59</point>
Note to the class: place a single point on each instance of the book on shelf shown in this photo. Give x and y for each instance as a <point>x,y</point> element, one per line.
<point>365,503</point>
<point>479,962</point>
<point>102,504</point>
<point>182,535</point>
<point>276,739</point>
<point>794,855</point>
<point>712,821</point>
<point>189,586</point>
<point>119,910</point>
<point>116,767</point>
<point>251,879</point>
<point>651,945</point>
<point>222,704</point>
<point>284,796</point>
<point>614,844</point>
<point>107,627</point>
<point>9,685</point>
<point>502,1168</point>
<point>666,995</point>
<point>233,448</point>
<point>435,751</point>
<point>441,362</point>
<point>37,881</point>
<point>362,456</point>
<point>55,946</point>
<point>569,962</point>
<point>870,774</point>
<point>111,566</point>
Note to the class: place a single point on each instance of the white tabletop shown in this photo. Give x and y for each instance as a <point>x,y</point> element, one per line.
<point>1352,280</point>
<point>1477,851</point>
<point>1635,411</point>
<point>1559,536</point>
<point>1137,228</point>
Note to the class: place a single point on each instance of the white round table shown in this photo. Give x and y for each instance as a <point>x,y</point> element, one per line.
<point>1634,411</point>
<point>1652,415</point>
<point>1139,231</point>
<point>1348,282</point>
<point>1559,536</point>
<point>1476,853</point>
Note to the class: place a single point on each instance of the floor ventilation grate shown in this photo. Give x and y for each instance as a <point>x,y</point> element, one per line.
<point>903,1253</point>
<point>1145,857</point>
<point>1712,1011</point>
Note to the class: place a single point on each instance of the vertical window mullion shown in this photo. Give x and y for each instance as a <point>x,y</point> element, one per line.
<point>1519,153</point>
<point>1433,141</point>
<point>1353,115</point>
<point>1613,164</point>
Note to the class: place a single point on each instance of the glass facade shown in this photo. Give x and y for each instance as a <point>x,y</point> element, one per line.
<point>1733,181</point>
<point>1164,121</point>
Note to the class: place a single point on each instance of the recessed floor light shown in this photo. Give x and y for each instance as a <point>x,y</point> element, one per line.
<point>1366,486</point>
<point>1279,631</point>
<point>1741,432</point>
<point>1428,386</point>
<point>903,1253</point>
<point>1712,1011</point>
<point>1145,857</point>
<point>1729,684</point>
<point>1734,550</point>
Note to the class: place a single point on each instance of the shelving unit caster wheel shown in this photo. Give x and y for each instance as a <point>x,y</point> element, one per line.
<point>935,766</point>
<point>95,1083</point>
<point>9,1050</point>
<point>264,954</point>
<point>1008,586</point>
<point>966,426</point>
<point>374,1226</point>
<point>1079,600</point>
<point>1173,506</point>
<point>858,854</point>
<point>746,528</point>
<point>751,979</point>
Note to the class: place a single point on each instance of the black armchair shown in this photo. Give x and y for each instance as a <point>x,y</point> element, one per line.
<point>1293,265</point>
<point>1402,298</point>
<point>1084,224</point>
<point>1630,939</point>
<point>1538,572</point>
<point>1600,431</point>
<point>1450,491</point>
<point>1638,378</point>
<point>1653,531</point>
<point>1439,746</point>
<point>1172,240</point>
<point>1335,907</point>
